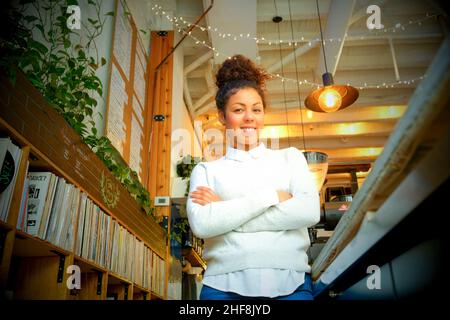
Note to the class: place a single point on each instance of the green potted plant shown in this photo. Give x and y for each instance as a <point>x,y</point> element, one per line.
<point>178,229</point>
<point>185,167</point>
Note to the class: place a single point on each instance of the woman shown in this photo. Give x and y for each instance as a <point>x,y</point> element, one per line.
<point>252,206</point>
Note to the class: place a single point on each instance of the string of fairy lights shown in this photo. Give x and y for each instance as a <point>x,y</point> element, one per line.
<point>393,29</point>
<point>181,24</point>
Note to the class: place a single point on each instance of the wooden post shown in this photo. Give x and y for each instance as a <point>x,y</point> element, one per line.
<point>159,136</point>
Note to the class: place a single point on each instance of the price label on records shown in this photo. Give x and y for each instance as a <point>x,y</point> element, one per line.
<point>7,171</point>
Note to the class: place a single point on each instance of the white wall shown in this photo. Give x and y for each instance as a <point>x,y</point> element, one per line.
<point>184,139</point>
<point>181,120</point>
<point>104,44</point>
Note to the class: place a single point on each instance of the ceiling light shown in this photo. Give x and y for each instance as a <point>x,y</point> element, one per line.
<point>330,97</point>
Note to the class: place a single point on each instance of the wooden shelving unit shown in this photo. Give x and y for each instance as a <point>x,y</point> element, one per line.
<point>34,268</point>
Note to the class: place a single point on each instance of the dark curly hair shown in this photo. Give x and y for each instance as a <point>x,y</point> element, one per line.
<point>237,73</point>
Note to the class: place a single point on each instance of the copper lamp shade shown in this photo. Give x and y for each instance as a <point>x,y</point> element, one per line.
<point>346,94</point>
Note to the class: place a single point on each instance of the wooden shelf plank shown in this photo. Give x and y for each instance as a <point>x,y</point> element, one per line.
<point>193,257</point>
<point>6,226</point>
<point>115,278</point>
<point>155,296</point>
<point>27,245</point>
<point>88,266</point>
<point>138,288</point>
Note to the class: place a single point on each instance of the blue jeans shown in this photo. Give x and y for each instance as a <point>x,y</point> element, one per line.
<point>303,292</point>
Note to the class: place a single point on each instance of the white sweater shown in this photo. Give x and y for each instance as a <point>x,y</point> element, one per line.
<point>250,228</point>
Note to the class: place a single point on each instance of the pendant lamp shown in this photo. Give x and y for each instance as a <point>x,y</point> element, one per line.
<point>330,97</point>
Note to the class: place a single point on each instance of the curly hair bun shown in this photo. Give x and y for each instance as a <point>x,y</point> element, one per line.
<point>239,67</point>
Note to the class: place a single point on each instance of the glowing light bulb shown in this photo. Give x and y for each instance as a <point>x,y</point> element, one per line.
<point>330,100</point>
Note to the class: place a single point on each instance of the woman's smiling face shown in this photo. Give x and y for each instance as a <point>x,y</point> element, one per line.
<point>243,118</point>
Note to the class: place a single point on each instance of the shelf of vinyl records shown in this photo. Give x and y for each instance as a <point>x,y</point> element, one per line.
<point>193,250</point>
<point>57,243</point>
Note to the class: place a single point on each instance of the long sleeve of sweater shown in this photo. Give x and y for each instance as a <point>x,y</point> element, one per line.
<point>302,210</point>
<point>220,217</point>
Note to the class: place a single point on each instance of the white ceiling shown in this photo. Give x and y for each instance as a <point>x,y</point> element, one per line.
<point>224,16</point>
<point>371,60</point>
